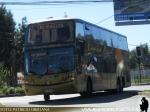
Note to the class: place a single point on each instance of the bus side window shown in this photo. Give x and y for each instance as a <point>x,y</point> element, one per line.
<point>109,64</point>
<point>39,36</point>
<point>54,36</point>
<point>63,34</point>
<point>92,63</point>
<point>50,35</point>
<point>99,64</point>
<point>92,59</point>
<point>46,36</point>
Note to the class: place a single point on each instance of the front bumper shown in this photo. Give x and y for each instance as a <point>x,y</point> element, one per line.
<point>58,88</point>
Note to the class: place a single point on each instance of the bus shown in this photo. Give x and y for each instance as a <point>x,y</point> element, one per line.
<point>69,55</point>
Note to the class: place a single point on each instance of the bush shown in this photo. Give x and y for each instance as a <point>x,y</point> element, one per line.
<point>19,90</point>
<point>10,90</point>
<point>4,90</point>
<point>1,90</point>
<point>4,72</point>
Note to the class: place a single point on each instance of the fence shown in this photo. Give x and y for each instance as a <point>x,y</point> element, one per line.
<point>144,78</point>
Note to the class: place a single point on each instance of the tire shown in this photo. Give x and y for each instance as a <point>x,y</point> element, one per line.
<point>46,97</point>
<point>88,92</point>
<point>110,91</point>
<point>83,94</point>
<point>89,88</point>
<point>119,88</point>
<point>123,82</point>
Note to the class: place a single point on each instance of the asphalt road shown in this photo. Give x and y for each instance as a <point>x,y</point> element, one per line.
<point>127,101</point>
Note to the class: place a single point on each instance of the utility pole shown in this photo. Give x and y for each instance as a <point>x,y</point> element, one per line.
<point>139,54</point>
<point>139,64</point>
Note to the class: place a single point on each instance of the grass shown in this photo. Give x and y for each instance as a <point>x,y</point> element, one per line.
<point>143,80</point>
<point>1,90</point>
<point>146,90</point>
<point>1,105</point>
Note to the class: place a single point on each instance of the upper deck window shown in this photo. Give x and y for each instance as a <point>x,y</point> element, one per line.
<point>79,30</point>
<point>50,32</point>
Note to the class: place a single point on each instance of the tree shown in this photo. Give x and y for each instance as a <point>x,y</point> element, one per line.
<point>6,34</point>
<point>145,49</point>
<point>133,55</point>
<point>19,38</point>
<point>133,59</point>
<point>7,31</point>
<point>4,72</point>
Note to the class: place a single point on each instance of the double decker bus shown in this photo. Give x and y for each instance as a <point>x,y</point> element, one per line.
<point>64,56</point>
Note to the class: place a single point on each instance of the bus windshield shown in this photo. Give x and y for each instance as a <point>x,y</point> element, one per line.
<point>51,61</point>
<point>50,32</point>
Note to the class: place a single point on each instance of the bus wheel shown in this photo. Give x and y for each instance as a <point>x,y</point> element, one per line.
<point>83,94</point>
<point>88,92</point>
<point>46,97</point>
<point>123,82</point>
<point>119,86</point>
<point>89,88</point>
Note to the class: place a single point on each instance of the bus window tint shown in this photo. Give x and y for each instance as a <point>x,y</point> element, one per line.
<point>79,30</point>
<point>46,36</point>
<point>109,63</point>
<point>38,35</point>
<point>52,33</point>
<point>53,36</point>
<point>63,34</point>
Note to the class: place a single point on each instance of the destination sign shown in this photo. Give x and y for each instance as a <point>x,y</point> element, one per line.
<point>45,26</point>
<point>51,26</point>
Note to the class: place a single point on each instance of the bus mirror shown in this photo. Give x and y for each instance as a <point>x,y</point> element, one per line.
<point>95,59</point>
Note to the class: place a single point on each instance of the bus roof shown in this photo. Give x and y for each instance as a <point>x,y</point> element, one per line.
<point>67,18</point>
<point>50,19</point>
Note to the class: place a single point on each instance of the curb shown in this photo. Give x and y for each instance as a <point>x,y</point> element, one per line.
<point>11,95</point>
<point>140,84</point>
<point>144,93</point>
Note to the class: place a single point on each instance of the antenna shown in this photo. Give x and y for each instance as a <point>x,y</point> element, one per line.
<point>49,17</point>
<point>65,15</point>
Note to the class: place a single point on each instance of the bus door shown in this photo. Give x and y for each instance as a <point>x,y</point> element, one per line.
<point>80,44</point>
<point>80,49</point>
<point>92,69</point>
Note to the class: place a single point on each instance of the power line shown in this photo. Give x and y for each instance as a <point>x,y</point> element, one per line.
<point>132,45</point>
<point>55,2</point>
<point>105,19</point>
<point>139,45</point>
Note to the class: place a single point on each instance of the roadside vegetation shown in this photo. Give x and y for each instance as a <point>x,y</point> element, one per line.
<point>147,91</point>
<point>144,80</point>
<point>140,64</point>
<point>11,91</point>
<point>133,59</point>
<point>11,53</point>
<point>5,89</point>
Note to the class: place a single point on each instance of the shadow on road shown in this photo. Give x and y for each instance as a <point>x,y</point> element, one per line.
<point>101,97</point>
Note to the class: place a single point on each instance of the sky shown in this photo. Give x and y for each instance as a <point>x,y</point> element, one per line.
<point>98,13</point>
